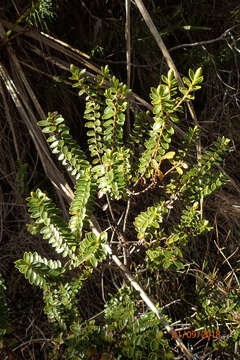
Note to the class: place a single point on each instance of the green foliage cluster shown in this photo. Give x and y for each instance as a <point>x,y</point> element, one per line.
<point>124,336</point>
<point>52,275</point>
<point>220,306</point>
<point>40,13</point>
<point>105,115</point>
<point>120,170</point>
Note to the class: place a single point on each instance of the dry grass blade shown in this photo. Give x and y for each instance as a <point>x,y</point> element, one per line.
<point>128,53</point>
<point>226,259</point>
<point>30,121</point>
<point>9,119</point>
<point>157,37</point>
<point>66,45</point>
<point>51,43</point>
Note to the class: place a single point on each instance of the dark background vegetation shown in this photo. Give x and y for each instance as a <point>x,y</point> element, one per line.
<point>97,28</point>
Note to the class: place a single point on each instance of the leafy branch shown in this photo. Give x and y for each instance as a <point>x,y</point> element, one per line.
<point>115,168</point>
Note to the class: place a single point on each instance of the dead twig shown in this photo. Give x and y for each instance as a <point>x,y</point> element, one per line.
<point>222,37</point>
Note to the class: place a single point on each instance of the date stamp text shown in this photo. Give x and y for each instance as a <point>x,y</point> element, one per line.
<point>201,334</point>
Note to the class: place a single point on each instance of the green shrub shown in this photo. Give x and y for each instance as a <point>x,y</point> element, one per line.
<point>122,167</point>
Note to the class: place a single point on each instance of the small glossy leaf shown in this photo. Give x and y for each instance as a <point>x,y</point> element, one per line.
<point>168,155</point>
<point>179,170</point>
<point>43,123</point>
<point>108,115</point>
<point>49,129</point>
